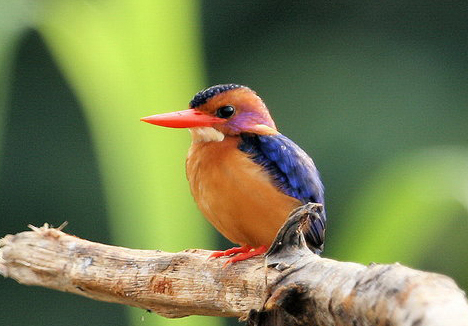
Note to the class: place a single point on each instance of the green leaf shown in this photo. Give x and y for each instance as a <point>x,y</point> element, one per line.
<point>125,60</point>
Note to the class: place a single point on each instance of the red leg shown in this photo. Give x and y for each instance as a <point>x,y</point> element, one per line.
<point>246,255</point>
<point>229,252</point>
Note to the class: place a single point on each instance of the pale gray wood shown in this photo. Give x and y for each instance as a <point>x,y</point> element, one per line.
<point>292,286</point>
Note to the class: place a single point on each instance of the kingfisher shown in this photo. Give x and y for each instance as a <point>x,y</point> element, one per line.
<point>244,175</point>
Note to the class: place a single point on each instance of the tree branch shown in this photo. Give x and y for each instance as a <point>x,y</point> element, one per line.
<point>292,286</point>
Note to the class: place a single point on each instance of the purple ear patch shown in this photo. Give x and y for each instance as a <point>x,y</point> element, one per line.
<point>244,120</point>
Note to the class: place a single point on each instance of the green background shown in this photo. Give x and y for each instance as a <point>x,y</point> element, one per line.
<point>376,93</point>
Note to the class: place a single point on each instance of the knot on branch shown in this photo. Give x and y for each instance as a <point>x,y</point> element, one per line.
<point>287,299</point>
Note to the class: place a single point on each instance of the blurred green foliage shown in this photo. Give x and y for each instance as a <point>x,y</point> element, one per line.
<point>123,64</point>
<point>126,60</point>
<point>423,197</point>
<point>375,92</point>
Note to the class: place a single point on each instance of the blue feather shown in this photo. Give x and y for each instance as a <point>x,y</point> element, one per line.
<point>292,171</point>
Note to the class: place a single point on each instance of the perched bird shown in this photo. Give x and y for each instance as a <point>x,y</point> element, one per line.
<point>245,176</point>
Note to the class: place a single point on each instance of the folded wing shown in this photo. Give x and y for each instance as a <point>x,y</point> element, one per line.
<point>293,172</point>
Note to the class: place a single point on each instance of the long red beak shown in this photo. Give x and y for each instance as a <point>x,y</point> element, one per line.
<point>183,119</point>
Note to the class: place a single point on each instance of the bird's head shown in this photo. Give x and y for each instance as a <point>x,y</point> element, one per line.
<point>220,110</point>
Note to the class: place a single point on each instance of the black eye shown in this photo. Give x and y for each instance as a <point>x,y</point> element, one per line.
<point>225,112</point>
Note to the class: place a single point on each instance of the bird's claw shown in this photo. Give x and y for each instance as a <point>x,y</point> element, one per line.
<point>241,253</point>
<point>232,251</point>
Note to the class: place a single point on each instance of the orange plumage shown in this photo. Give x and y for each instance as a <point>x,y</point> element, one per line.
<point>235,194</point>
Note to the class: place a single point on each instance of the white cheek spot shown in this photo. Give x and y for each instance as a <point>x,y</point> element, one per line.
<point>205,134</point>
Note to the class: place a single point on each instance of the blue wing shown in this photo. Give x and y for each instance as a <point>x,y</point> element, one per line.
<point>292,171</point>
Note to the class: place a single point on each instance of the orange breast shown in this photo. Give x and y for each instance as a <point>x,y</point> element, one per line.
<point>235,194</point>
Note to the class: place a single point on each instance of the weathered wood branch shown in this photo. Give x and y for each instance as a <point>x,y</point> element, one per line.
<point>292,286</point>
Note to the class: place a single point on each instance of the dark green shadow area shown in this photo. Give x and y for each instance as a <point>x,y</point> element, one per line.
<point>49,174</point>
<point>357,85</point>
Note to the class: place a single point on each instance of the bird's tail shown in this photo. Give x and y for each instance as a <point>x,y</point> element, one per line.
<point>314,229</point>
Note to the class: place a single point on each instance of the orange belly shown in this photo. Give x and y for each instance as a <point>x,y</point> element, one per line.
<point>235,194</point>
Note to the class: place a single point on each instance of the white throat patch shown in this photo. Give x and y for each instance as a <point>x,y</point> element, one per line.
<point>205,134</point>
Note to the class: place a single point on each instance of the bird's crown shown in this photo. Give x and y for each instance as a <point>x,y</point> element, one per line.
<point>204,95</point>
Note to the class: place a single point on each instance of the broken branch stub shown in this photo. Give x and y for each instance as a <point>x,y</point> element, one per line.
<point>317,291</point>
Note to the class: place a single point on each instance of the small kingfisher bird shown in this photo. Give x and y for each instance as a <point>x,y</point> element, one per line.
<point>244,175</point>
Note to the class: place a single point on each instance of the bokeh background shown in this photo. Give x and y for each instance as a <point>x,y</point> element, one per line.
<point>376,92</point>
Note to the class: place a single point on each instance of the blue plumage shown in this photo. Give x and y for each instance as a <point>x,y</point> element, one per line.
<point>292,169</point>
<point>293,172</point>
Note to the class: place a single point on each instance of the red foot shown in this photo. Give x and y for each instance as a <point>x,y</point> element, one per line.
<point>229,252</point>
<point>241,253</point>
<point>246,255</point>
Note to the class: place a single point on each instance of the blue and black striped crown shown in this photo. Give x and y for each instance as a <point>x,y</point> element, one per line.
<point>203,96</point>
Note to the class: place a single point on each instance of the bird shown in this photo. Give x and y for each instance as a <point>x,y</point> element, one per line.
<point>245,176</point>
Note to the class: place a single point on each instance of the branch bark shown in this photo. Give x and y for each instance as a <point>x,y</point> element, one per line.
<point>291,286</point>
